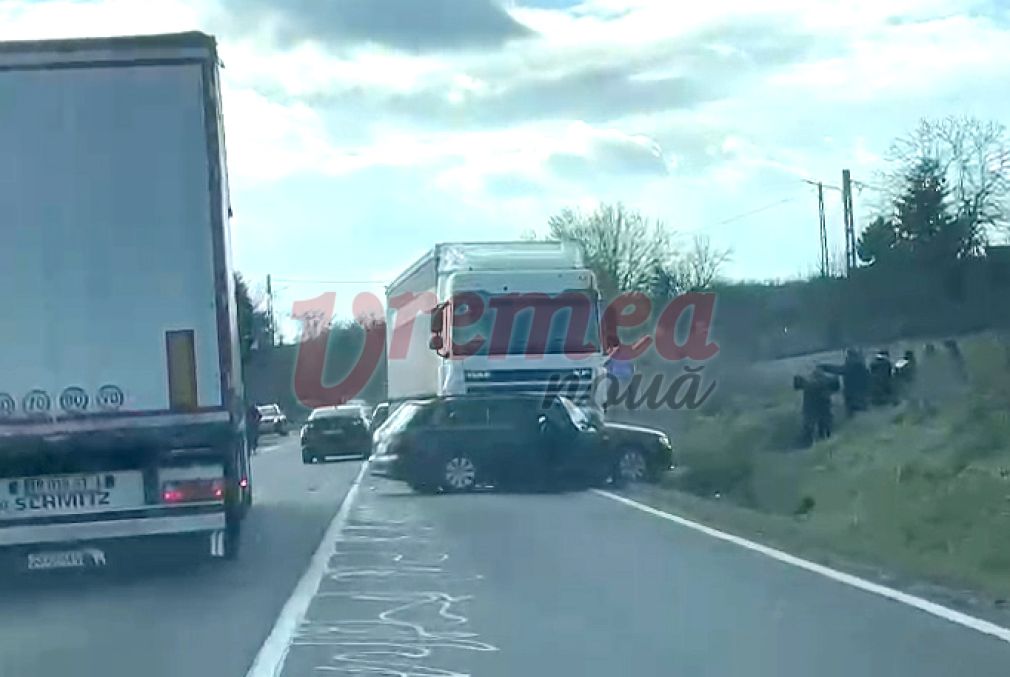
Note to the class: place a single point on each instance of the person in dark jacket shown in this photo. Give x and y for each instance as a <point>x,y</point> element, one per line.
<point>817,390</point>
<point>905,373</point>
<point>252,427</point>
<point>881,379</point>
<point>855,380</point>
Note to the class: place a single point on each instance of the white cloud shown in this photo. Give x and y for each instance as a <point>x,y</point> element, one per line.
<point>691,112</point>
<point>25,20</point>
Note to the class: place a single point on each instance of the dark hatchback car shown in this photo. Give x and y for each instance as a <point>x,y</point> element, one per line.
<point>461,443</point>
<point>335,431</point>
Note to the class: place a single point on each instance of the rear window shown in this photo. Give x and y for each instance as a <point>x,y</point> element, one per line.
<point>269,410</point>
<point>337,422</point>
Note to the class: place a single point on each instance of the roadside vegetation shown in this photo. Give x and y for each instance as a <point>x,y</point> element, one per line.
<point>917,490</point>
<point>920,489</point>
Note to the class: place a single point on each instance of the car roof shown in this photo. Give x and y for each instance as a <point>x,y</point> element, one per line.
<point>485,397</point>
<point>343,410</point>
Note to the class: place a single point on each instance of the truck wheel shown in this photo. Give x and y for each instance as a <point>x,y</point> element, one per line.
<point>307,458</point>
<point>224,544</point>
<point>459,473</point>
<point>232,539</point>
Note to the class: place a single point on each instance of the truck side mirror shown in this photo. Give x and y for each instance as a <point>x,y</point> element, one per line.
<point>436,343</point>
<point>437,319</point>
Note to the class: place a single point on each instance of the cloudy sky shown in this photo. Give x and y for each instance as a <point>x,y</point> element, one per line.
<point>362,131</point>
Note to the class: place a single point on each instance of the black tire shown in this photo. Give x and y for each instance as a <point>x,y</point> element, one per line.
<point>459,473</point>
<point>631,466</point>
<point>307,458</point>
<point>232,540</point>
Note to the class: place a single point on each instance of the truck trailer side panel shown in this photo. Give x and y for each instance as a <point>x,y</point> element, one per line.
<point>411,366</point>
<point>107,250</point>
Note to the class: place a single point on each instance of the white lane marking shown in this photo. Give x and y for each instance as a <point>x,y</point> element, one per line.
<point>269,659</point>
<point>919,603</point>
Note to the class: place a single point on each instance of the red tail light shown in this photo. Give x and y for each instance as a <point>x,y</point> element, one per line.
<point>189,491</point>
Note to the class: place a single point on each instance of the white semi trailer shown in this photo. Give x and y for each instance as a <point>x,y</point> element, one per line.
<point>121,412</point>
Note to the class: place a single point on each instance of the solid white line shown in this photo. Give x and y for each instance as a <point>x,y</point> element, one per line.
<point>919,603</point>
<point>269,660</point>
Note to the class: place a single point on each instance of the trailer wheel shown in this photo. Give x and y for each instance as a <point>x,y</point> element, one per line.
<point>224,544</point>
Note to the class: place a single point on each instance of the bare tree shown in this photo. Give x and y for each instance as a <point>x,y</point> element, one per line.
<point>701,264</point>
<point>624,247</point>
<point>973,155</point>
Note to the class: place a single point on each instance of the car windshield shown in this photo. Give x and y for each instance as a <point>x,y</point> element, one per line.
<point>692,320</point>
<point>402,417</point>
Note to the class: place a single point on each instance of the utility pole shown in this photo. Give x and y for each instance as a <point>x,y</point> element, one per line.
<point>849,221</point>
<point>824,230</point>
<point>270,311</point>
<point>822,221</point>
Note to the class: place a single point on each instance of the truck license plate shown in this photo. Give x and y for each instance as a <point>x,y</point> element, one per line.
<point>66,559</point>
<point>36,486</point>
<point>85,493</point>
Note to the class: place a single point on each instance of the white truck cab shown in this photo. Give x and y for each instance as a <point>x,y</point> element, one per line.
<point>519,317</point>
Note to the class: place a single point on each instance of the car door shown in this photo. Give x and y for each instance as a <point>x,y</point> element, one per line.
<point>514,424</point>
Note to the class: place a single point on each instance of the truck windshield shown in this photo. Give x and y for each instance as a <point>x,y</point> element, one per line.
<point>517,324</point>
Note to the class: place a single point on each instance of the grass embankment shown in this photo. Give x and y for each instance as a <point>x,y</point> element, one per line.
<point>920,492</point>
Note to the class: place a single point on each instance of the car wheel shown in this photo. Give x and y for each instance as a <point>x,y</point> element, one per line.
<point>459,473</point>
<point>308,458</point>
<point>631,466</point>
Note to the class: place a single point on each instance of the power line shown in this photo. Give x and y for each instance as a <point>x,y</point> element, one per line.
<point>293,281</point>
<point>752,212</point>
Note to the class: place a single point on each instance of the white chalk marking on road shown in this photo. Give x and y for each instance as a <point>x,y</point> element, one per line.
<point>919,603</point>
<point>270,658</point>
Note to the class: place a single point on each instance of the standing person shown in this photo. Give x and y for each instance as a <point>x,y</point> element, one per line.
<point>817,417</point>
<point>252,427</point>
<point>855,380</point>
<point>881,379</point>
<point>930,380</point>
<point>905,374</point>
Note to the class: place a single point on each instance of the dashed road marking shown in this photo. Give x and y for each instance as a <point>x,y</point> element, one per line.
<point>269,659</point>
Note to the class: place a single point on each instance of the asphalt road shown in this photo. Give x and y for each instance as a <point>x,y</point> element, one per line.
<point>207,620</point>
<point>488,584</point>
<point>579,584</point>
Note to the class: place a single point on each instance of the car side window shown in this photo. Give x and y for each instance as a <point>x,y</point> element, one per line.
<point>463,413</point>
<point>520,416</point>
